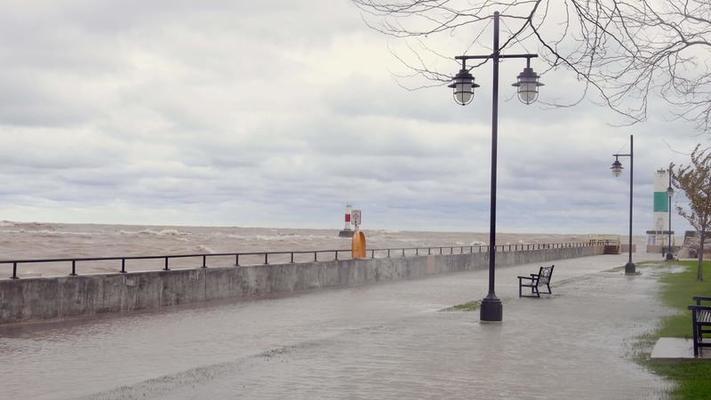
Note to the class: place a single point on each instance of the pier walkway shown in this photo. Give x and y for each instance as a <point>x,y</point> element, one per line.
<point>386,341</point>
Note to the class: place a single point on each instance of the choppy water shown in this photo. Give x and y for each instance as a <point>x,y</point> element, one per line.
<point>49,240</point>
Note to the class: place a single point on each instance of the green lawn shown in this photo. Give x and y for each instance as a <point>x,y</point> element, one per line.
<point>693,377</point>
<point>469,306</point>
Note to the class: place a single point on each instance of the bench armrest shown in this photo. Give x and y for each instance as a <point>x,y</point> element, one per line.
<point>526,277</point>
<point>699,308</point>
<point>699,299</point>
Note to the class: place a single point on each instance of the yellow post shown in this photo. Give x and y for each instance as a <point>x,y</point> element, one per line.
<point>358,245</point>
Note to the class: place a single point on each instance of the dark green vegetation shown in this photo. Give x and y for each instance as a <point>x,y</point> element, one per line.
<point>693,377</point>
<point>469,306</point>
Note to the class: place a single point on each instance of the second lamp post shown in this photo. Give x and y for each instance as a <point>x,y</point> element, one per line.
<point>463,85</point>
<point>617,171</point>
<point>670,193</point>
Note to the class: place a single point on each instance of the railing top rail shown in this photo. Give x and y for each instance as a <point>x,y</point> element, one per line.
<point>261,253</point>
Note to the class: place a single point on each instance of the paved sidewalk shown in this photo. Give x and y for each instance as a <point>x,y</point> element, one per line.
<point>387,341</point>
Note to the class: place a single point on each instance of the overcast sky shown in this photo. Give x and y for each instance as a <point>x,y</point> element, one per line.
<point>276,113</point>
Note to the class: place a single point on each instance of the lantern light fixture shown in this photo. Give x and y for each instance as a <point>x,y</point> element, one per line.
<point>616,167</point>
<point>463,86</point>
<point>527,84</point>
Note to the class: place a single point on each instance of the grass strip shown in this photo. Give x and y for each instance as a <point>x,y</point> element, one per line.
<point>693,377</point>
<point>469,306</point>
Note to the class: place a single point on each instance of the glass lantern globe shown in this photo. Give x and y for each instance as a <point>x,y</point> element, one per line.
<point>463,87</point>
<point>616,168</point>
<point>527,84</point>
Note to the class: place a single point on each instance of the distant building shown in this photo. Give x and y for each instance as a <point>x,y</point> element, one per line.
<point>658,236</point>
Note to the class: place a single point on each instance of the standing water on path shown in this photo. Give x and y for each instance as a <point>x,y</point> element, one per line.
<point>386,341</point>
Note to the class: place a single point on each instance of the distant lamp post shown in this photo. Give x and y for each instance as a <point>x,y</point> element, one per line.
<point>463,86</point>
<point>617,171</point>
<point>670,193</point>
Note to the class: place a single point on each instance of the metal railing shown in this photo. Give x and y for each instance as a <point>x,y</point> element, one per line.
<point>334,255</point>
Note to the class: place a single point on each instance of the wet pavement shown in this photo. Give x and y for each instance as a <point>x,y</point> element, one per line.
<point>388,341</point>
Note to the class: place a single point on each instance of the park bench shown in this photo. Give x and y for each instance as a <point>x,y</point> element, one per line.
<point>536,281</point>
<point>701,324</point>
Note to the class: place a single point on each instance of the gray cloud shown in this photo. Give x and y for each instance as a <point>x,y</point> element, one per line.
<point>277,112</point>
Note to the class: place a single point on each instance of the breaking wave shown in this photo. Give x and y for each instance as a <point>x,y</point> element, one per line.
<point>151,232</point>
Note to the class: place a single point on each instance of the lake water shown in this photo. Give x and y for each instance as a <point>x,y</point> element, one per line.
<point>52,240</point>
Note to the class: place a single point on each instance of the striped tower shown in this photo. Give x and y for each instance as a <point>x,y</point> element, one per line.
<point>347,231</point>
<point>657,237</point>
<point>348,217</point>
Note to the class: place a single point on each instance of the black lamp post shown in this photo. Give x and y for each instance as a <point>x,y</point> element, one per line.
<point>670,193</point>
<point>463,85</point>
<point>617,171</point>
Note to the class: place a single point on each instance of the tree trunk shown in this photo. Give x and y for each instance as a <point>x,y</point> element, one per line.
<point>700,270</point>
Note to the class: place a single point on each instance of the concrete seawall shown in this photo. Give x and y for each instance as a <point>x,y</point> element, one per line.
<point>38,299</point>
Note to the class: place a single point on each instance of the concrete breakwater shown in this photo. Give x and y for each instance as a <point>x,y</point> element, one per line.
<point>38,299</point>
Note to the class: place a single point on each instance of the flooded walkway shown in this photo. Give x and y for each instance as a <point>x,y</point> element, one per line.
<point>387,341</point>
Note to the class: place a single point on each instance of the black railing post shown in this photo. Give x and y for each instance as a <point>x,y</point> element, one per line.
<point>336,255</point>
<point>123,265</point>
<point>74,268</point>
<point>204,261</point>
<point>403,252</point>
<point>14,271</point>
<point>166,265</point>
<point>237,260</point>
<point>388,253</point>
<point>429,251</point>
<point>315,256</point>
<point>372,254</point>
<point>266,258</point>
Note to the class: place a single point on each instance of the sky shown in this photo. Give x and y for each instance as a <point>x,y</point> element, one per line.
<point>277,113</point>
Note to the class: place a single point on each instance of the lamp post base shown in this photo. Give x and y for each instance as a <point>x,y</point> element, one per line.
<point>491,309</point>
<point>670,256</point>
<point>630,269</point>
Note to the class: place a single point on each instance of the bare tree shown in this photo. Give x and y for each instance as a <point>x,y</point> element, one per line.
<point>695,180</point>
<point>624,50</point>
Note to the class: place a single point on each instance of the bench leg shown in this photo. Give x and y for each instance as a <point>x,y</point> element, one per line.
<point>696,335</point>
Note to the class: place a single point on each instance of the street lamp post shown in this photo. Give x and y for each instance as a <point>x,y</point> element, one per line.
<point>527,87</point>
<point>617,171</point>
<point>670,193</point>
